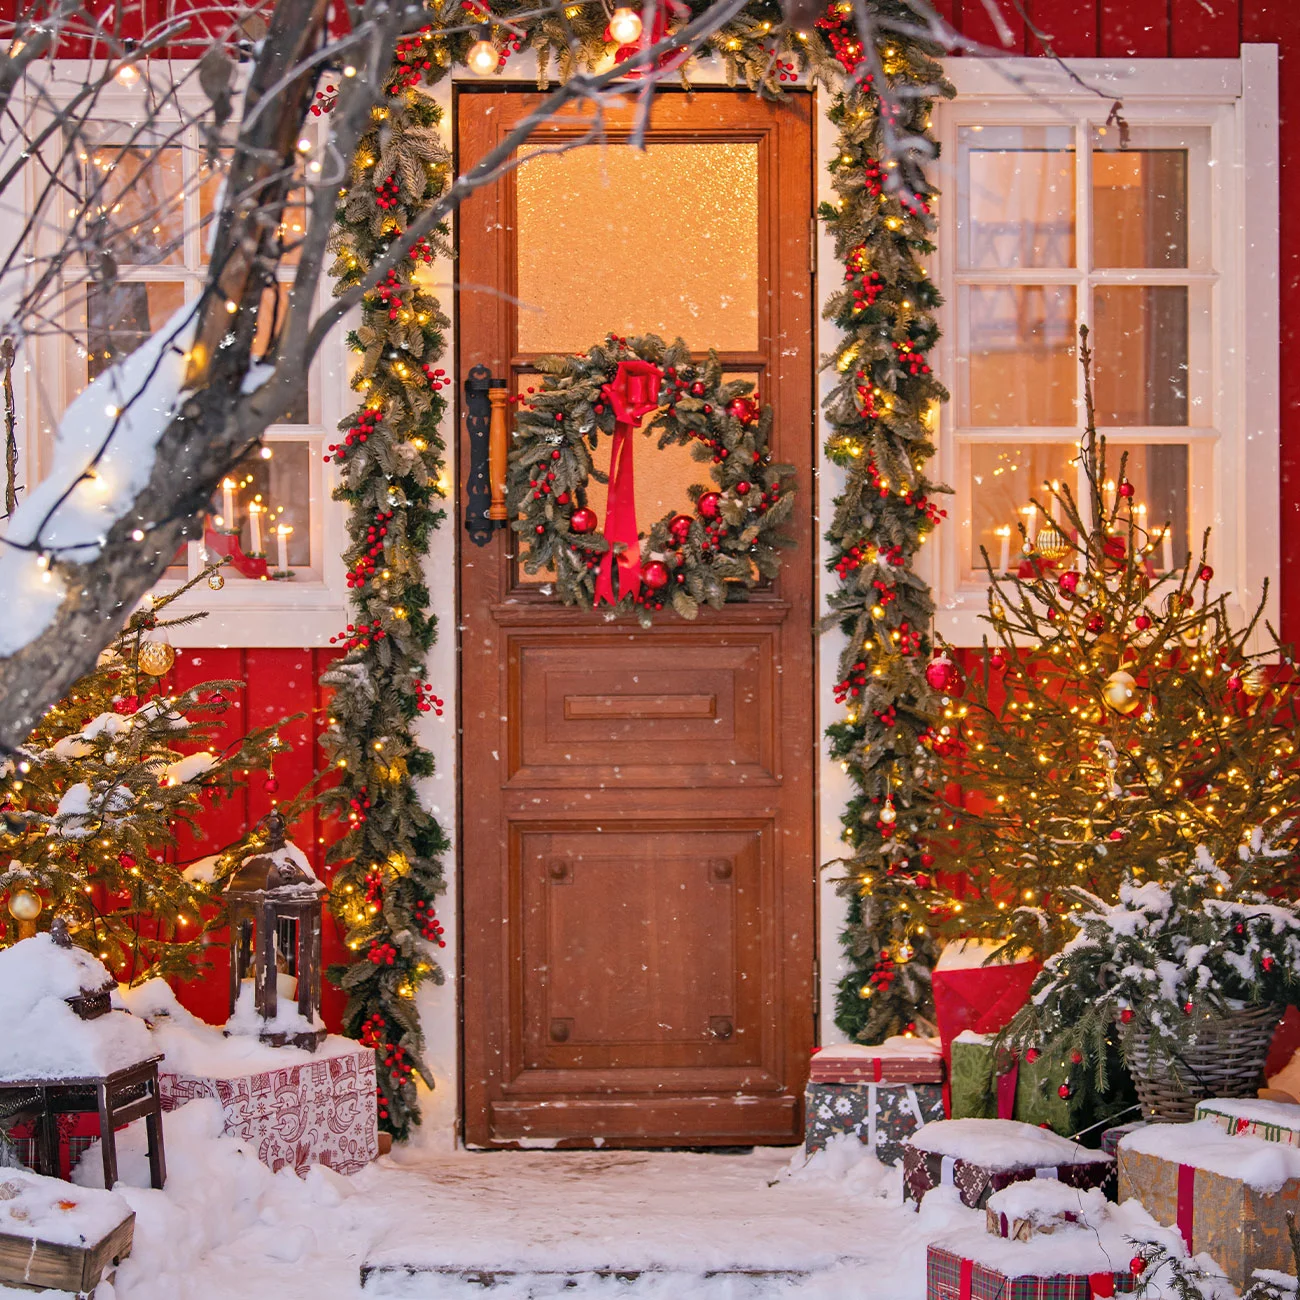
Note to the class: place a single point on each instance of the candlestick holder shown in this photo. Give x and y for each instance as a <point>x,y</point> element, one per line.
<point>226,544</point>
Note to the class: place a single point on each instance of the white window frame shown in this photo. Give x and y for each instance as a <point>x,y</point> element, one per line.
<point>1235,476</point>
<point>305,611</point>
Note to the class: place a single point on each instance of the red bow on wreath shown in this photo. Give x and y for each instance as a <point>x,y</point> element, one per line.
<point>633,394</point>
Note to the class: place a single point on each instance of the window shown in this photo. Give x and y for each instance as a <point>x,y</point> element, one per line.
<point>1055,216</point>
<point>151,194</point>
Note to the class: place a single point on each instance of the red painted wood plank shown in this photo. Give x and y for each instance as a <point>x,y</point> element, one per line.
<point>1071,26</point>
<point>979,26</point>
<point>1135,29</point>
<point>1205,29</point>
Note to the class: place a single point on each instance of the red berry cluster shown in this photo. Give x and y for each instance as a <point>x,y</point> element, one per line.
<point>887,717</point>
<point>382,1103</point>
<point>853,684</point>
<point>365,425</point>
<point>910,359</point>
<point>398,1066</point>
<point>867,291</point>
<point>324,100</point>
<point>412,61</point>
<point>909,641</point>
<point>912,203</point>
<point>389,291</point>
<point>851,560</point>
<point>884,973</point>
<point>425,700</point>
<point>785,69</point>
<point>358,805</point>
<point>541,478</point>
<point>437,378</point>
<point>388,193</point>
<point>430,927</point>
<point>374,886</point>
<point>372,1032</point>
<point>873,178</point>
<point>842,35</point>
<point>381,954</point>
<point>867,396</point>
<point>885,594</point>
<point>363,568</point>
<point>359,635</point>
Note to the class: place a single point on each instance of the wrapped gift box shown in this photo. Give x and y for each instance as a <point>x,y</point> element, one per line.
<point>982,1156</point>
<point>896,1060</point>
<point>1043,1206</point>
<point>1227,1195</point>
<point>882,1115</point>
<point>318,1110</point>
<point>1113,1136</point>
<point>1274,1121</point>
<point>981,1090</point>
<point>949,1276</point>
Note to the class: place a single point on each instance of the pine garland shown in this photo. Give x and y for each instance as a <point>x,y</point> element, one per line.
<point>391,457</point>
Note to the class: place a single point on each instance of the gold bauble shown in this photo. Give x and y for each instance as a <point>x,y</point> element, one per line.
<point>1120,692</point>
<point>1050,542</point>
<point>1254,681</point>
<point>216,581</point>
<point>24,905</point>
<point>156,657</point>
<point>888,814</point>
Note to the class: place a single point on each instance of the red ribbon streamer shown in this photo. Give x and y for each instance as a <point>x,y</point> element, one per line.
<point>633,394</point>
<point>1186,1201</point>
<point>1007,1081</point>
<point>1101,1285</point>
<point>966,1278</point>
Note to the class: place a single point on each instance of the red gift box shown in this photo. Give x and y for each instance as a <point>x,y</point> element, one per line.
<point>949,1276</point>
<point>897,1061</point>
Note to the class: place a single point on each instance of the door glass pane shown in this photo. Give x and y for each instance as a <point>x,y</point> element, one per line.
<point>114,320</point>
<point>1001,478</point>
<point>1139,206</point>
<point>1161,478</point>
<point>594,230</point>
<point>1016,191</point>
<point>1140,339</point>
<point>135,197</point>
<point>1020,348</point>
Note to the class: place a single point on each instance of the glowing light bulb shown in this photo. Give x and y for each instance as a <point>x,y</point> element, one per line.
<point>127,75</point>
<point>482,57</point>
<point>625,26</point>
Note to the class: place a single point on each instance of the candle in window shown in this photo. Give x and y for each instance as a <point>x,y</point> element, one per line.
<point>1055,510</point>
<point>282,545</point>
<point>228,504</point>
<point>1004,555</point>
<point>1030,513</point>
<point>255,528</point>
<point>1167,548</point>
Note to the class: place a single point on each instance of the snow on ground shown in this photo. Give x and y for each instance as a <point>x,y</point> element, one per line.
<point>226,1228</point>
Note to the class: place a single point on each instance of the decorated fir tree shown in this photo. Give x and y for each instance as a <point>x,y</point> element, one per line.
<point>91,807</point>
<point>1116,726</point>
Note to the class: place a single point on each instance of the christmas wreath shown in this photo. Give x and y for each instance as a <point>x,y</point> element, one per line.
<point>720,552</point>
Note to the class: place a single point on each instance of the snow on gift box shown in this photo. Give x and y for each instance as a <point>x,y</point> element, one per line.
<point>1274,1121</point>
<point>1227,1195</point>
<point>982,1156</point>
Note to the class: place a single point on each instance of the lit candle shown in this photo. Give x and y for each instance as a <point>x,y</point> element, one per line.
<point>282,544</point>
<point>1167,548</point>
<point>228,504</point>
<point>255,528</point>
<point>1004,556</point>
<point>1056,509</point>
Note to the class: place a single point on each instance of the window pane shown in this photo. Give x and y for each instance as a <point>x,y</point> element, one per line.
<point>1139,207</point>
<point>115,319</point>
<point>210,192</point>
<point>1016,191</point>
<point>274,484</point>
<point>1161,478</point>
<point>1140,340</point>
<point>136,199</point>
<point>1000,480</point>
<point>1020,350</point>
<point>270,318</point>
<point>582,226</point>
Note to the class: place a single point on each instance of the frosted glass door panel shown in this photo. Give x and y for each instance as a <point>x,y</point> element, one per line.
<point>662,242</point>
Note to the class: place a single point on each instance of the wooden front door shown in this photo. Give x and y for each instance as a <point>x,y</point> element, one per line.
<point>637,806</point>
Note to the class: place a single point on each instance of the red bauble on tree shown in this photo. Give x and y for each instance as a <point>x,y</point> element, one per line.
<point>654,575</point>
<point>944,675</point>
<point>679,526</point>
<point>708,504</point>
<point>745,409</point>
<point>583,520</point>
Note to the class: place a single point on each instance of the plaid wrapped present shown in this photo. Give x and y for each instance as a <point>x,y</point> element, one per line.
<point>980,1157</point>
<point>1274,1121</point>
<point>1042,1207</point>
<point>882,1115</point>
<point>951,1276</point>
<point>896,1060</point>
<point>1113,1136</point>
<point>1228,1196</point>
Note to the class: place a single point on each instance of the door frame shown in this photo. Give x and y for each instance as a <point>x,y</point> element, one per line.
<point>813,493</point>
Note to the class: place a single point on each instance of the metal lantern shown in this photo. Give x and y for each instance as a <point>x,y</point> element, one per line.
<point>274,905</point>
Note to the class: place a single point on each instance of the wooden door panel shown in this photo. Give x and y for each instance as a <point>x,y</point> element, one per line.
<point>684,709</point>
<point>636,806</point>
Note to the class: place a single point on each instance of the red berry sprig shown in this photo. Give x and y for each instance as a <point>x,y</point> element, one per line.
<point>425,700</point>
<point>910,359</point>
<point>430,927</point>
<point>398,1066</point>
<point>372,1031</point>
<point>381,954</point>
<point>324,100</point>
<point>388,193</point>
<point>374,886</point>
<point>359,635</point>
<point>366,424</point>
<point>853,684</point>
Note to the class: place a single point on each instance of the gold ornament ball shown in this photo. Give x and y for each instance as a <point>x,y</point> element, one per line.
<point>156,657</point>
<point>1050,542</point>
<point>888,814</point>
<point>24,905</point>
<point>625,26</point>
<point>1120,692</point>
<point>1254,681</point>
<point>216,581</point>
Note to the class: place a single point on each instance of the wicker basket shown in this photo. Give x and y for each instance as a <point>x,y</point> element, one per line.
<point>1225,1058</point>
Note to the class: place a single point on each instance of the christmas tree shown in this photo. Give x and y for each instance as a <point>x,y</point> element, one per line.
<point>92,804</point>
<point>1117,725</point>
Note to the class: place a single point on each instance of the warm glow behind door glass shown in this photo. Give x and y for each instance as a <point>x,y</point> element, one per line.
<point>662,242</point>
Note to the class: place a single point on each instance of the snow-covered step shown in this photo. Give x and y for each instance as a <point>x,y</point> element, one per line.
<point>402,1282</point>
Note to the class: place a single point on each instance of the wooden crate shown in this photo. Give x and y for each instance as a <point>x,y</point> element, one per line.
<point>45,1266</point>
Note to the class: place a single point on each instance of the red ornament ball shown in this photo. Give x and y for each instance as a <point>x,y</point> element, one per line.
<point>1126,489</point>
<point>583,520</point>
<point>1137,1264</point>
<point>1076,1057</point>
<point>1142,622</point>
<point>742,487</point>
<point>1031,1054</point>
<point>1234,683</point>
<point>679,526</point>
<point>1206,573</point>
<point>745,409</point>
<point>1063,1091</point>
<point>1068,581</point>
<point>1266,961</point>
<point>697,389</point>
<point>708,505</point>
<point>654,575</point>
<point>1095,623</point>
<point>1126,1015</point>
<point>1187,1008</point>
<point>997,660</point>
<point>944,675</point>
<point>271,784</point>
